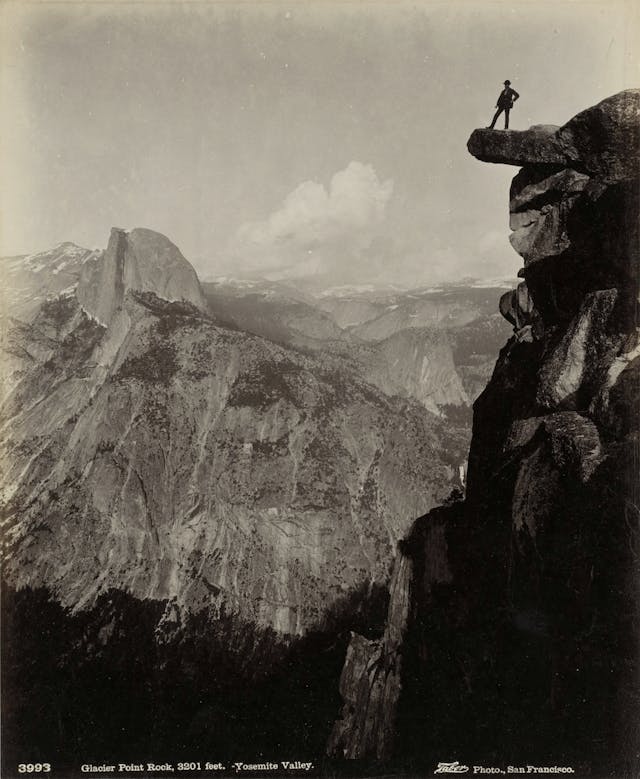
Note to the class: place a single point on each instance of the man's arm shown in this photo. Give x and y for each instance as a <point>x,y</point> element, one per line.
<point>515,95</point>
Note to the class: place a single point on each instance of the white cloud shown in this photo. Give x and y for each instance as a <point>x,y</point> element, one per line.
<point>316,229</point>
<point>348,232</point>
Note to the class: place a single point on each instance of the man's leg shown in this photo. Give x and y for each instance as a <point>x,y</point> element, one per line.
<point>506,118</point>
<point>495,118</point>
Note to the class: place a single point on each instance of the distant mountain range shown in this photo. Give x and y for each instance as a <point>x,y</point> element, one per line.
<point>352,322</point>
<point>30,280</point>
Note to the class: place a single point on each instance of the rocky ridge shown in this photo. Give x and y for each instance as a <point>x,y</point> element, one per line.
<point>521,640</point>
<point>148,448</point>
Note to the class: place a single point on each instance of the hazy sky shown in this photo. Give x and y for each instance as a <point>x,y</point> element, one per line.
<point>289,138</point>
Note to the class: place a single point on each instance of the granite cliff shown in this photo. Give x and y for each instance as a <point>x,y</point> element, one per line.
<point>519,643</point>
<point>197,502</point>
<point>142,260</point>
<point>148,448</point>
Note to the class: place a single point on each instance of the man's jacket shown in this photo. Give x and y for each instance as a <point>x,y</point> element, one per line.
<point>507,98</point>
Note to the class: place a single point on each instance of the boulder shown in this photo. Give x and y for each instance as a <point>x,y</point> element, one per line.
<point>536,146</point>
<point>603,140</point>
<point>516,306</point>
<point>568,372</point>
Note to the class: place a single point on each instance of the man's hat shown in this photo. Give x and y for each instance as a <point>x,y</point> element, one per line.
<point>507,81</point>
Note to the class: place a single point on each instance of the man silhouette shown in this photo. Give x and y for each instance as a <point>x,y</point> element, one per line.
<point>506,99</point>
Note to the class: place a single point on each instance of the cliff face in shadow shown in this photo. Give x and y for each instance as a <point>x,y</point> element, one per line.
<point>521,641</point>
<point>136,679</point>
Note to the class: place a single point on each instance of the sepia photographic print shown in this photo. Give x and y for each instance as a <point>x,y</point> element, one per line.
<point>320,384</point>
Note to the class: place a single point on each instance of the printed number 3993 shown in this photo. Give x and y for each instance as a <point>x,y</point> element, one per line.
<point>34,768</point>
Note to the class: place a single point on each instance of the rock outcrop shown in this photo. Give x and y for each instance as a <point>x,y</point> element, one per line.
<point>538,145</point>
<point>417,362</point>
<point>598,141</point>
<point>143,261</point>
<point>522,641</point>
<point>517,307</point>
<point>370,681</point>
<point>198,514</point>
<point>151,450</point>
